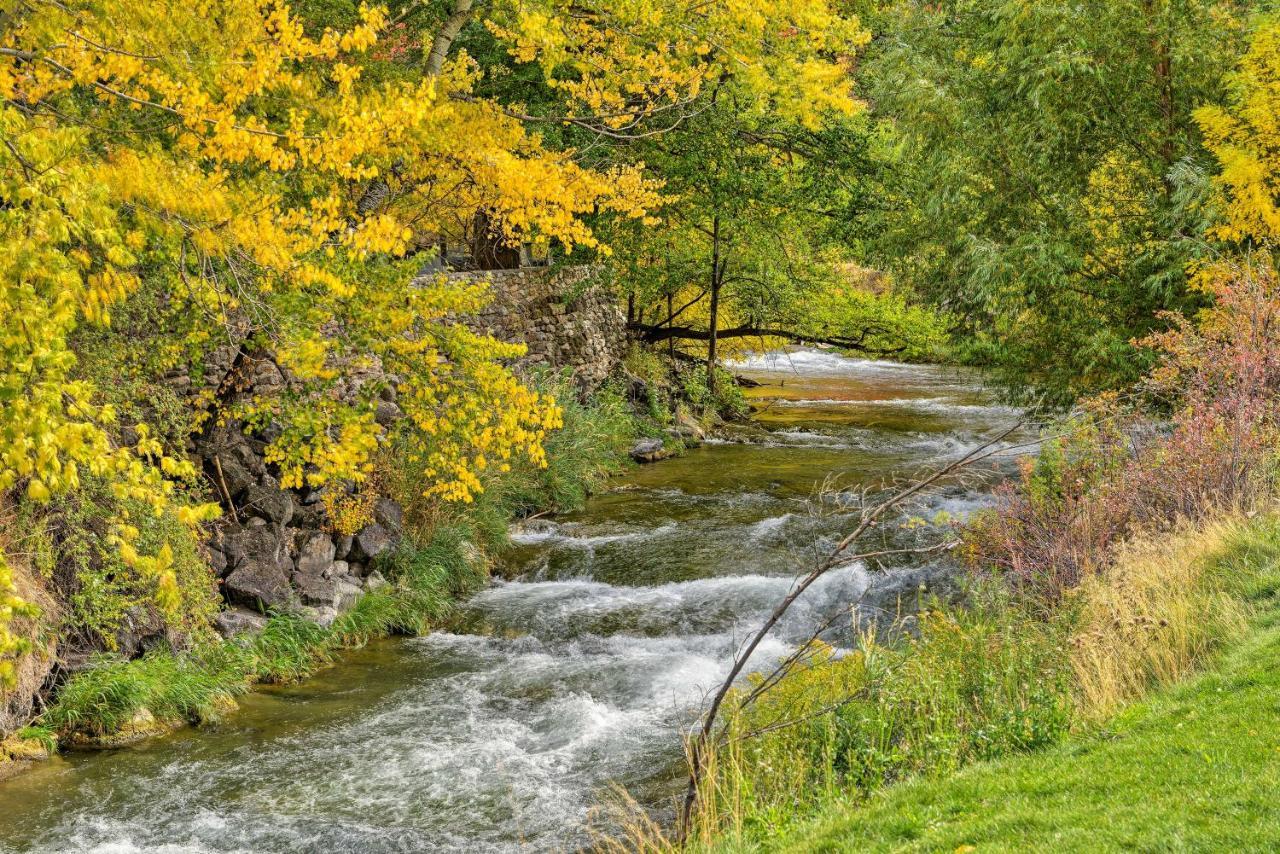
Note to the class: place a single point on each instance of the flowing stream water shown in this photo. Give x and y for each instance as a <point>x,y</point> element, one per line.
<point>579,671</point>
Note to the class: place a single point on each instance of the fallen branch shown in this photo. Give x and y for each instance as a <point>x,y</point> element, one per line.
<point>653,334</point>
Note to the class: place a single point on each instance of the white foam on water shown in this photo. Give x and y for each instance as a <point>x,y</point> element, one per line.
<point>767,528</point>
<point>810,362</point>
<point>945,405</point>
<point>562,536</point>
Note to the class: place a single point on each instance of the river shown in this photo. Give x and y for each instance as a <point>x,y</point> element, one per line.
<point>579,671</point>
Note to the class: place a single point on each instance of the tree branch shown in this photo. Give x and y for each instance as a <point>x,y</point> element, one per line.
<point>655,334</point>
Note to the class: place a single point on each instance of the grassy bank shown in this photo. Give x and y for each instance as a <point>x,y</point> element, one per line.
<point>1195,766</point>
<point>916,743</point>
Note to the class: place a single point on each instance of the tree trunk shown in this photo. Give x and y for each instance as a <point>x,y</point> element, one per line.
<point>671,319</point>
<point>715,304</point>
<point>444,39</point>
<point>1160,28</point>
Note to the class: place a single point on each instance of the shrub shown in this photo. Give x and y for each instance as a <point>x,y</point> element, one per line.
<point>1116,472</point>
<point>74,553</point>
<point>592,445</point>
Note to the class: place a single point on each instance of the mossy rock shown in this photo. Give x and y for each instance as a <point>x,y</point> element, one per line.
<point>18,754</point>
<point>142,726</point>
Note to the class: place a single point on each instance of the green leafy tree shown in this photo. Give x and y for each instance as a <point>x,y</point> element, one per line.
<point>1050,175</point>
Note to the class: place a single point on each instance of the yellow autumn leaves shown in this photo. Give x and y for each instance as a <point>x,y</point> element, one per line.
<point>1245,138</point>
<point>215,154</point>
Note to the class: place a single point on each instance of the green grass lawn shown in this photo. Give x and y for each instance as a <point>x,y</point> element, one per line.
<point>1195,768</point>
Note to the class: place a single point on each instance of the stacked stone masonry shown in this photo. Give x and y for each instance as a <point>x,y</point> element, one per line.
<point>274,548</point>
<point>560,314</point>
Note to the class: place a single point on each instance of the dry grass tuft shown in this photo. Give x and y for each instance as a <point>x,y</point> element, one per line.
<point>1155,615</point>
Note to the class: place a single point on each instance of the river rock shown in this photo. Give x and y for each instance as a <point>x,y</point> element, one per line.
<point>649,451</point>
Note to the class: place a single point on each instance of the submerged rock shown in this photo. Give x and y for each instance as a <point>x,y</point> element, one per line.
<point>142,726</point>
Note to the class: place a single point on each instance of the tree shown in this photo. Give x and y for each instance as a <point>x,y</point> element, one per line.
<point>243,169</point>
<point>757,241</point>
<point>1050,177</point>
<point>1244,138</point>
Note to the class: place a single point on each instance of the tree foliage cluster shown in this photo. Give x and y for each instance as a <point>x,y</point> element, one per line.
<point>259,176</point>
<point>1051,185</point>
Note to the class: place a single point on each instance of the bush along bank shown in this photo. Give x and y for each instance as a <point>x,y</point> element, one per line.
<point>1137,550</point>
<point>131,681</point>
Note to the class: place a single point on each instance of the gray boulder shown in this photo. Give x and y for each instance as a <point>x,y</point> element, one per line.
<point>260,584</point>
<point>649,451</point>
<point>372,541</point>
<point>348,593</point>
<point>315,590</point>
<point>269,501</point>
<point>236,621</point>
<point>315,556</point>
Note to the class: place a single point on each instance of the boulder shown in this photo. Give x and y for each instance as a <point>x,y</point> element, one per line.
<point>236,621</point>
<point>348,593</point>
<point>322,616</point>
<point>315,556</point>
<point>257,540</point>
<point>387,413</point>
<point>317,591</point>
<point>260,584</point>
<point>268,500</point>
<point>389,514</point>
<point>375,581</point>
<point>372,541</point>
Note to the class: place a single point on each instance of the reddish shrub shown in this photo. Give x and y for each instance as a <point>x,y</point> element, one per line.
<point>1117,469</point>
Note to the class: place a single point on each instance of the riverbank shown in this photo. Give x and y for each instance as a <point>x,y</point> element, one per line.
<point>577,666</point>
<point>443,554</point>
<point>993,727</point>
<point>1195,766</point>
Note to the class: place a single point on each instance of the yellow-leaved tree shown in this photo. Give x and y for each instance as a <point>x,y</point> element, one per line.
<point>218,156</point>
<point>1245,138</point>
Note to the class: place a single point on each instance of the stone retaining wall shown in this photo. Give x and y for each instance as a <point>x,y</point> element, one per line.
<point>274,549</point>
<point>561,314</point>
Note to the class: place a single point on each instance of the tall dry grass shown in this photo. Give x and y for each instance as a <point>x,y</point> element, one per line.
<point>1166,604</point>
